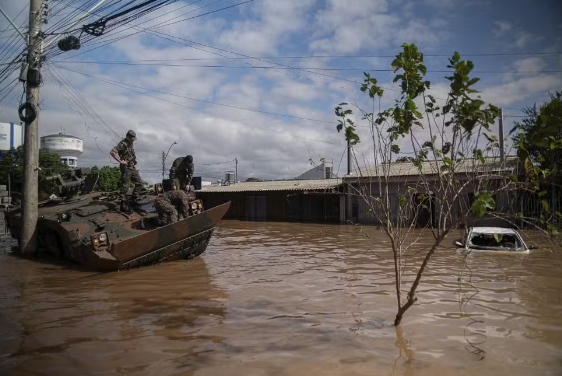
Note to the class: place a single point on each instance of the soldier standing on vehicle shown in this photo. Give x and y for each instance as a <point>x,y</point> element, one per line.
<point>181,172</point>
<point>170,206</point>
<point>124,153</point>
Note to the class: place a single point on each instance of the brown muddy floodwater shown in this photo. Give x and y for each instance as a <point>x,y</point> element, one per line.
<point>281,299</point>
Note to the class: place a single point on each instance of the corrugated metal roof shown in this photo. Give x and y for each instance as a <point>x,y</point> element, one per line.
<point>431,167</point>
<point>276,185</point>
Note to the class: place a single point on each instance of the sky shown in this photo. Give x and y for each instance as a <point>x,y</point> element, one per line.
<point>193,73</point>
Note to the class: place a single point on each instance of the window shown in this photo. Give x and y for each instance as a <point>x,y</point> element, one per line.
<point>494,241</point>
<point>71,162</point>
<point>328,171</point>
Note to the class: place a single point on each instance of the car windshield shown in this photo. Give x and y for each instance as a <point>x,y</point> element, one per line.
<point>494,241</point>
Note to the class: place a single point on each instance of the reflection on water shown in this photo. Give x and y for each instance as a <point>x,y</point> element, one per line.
<point>283,299</point>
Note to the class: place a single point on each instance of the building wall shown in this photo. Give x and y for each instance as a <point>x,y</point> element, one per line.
<point>277,206</point>
<point>11,136</point>
<point>362,206</point>
<point>318,172</point>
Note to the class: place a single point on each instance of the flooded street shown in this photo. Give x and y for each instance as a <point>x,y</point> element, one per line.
<point>282,299</point>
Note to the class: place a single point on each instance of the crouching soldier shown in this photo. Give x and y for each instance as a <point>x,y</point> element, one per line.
<point>170,206</point>
<point>181,172</point>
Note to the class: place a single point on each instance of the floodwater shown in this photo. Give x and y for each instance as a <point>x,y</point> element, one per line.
<point>283,299</point>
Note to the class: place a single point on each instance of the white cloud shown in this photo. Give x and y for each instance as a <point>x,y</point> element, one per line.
<point>521,89</point>
<point>525,39</point>
<point>531,64</point>
<point>273,25</point>
<point>347,27</point>
<point>502,27</point>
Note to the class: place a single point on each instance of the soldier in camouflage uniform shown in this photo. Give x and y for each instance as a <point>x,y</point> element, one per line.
<point>171,206</point>
<point>124,153</point>
<point>181,172</point>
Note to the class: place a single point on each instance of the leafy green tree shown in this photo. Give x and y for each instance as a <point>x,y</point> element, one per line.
<point>539,137</point>
<point>109,179</point>
<point>49,163</point>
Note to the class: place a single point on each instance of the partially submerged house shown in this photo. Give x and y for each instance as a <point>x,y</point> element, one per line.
<point>423,185</point>
<point>316,200</point>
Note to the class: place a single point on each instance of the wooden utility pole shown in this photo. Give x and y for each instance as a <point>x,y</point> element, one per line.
<point>28,241</point>
<point>502,151</point>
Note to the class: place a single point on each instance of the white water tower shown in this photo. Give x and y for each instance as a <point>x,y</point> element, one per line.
<point>68,147</point>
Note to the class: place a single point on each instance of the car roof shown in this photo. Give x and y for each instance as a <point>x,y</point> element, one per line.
<point>494,230</point>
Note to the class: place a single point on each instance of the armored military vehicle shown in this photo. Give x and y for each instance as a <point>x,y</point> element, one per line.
<point>90,229</point>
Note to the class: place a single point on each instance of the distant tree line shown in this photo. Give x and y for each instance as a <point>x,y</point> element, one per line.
<point>109,178</point>
<point>49,163</point>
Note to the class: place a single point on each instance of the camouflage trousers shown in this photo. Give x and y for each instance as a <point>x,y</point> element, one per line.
<point>180,183</point>
<point>129,175</point>
<point>180,200</point>
<point>167,212</point>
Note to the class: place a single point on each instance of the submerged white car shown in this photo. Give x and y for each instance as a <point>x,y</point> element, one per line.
<point>494,239</point>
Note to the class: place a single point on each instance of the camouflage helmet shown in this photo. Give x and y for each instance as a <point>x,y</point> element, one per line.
<point>132,135</point>
<point>189,159</point>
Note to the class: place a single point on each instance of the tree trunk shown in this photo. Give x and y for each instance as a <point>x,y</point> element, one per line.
<point>412,293</point>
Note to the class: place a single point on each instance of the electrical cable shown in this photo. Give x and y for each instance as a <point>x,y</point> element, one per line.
<point>293,68</point>
<point>195,109</point>
<point>206,101</point>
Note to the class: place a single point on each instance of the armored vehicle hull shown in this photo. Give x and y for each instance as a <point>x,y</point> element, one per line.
<point>93,232</point>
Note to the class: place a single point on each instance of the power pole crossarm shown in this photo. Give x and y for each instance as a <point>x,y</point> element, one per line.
<point>28,240</point>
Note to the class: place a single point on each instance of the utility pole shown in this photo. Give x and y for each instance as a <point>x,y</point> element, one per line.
<point>236,171</point>
<point>502,151</point>
<point>348,157</point>
<point>163,164</point>
<point>28,241</point>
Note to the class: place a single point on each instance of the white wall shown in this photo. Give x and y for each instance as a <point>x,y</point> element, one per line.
<point>11,136</point>
<point>317,172</point>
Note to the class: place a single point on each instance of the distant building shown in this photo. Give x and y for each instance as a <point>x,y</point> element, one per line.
<point>317,200</point>
<point>68,147</point>
<point>396,178</point>
<point>11,137</point>
<point>322,171</point>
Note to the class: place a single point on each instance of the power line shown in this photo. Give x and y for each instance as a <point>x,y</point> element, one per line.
<point>290,68</point>
<point>217,163</point>
<point>195,109</point>
<point>326,56</point>
<point>166,24</point>
<point>207,101</point>
<point>191,44</point>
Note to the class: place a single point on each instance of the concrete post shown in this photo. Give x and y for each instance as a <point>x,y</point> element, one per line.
<point>28,241</point>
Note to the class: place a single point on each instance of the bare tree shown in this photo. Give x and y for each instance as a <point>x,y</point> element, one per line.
<point>454,172</point>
